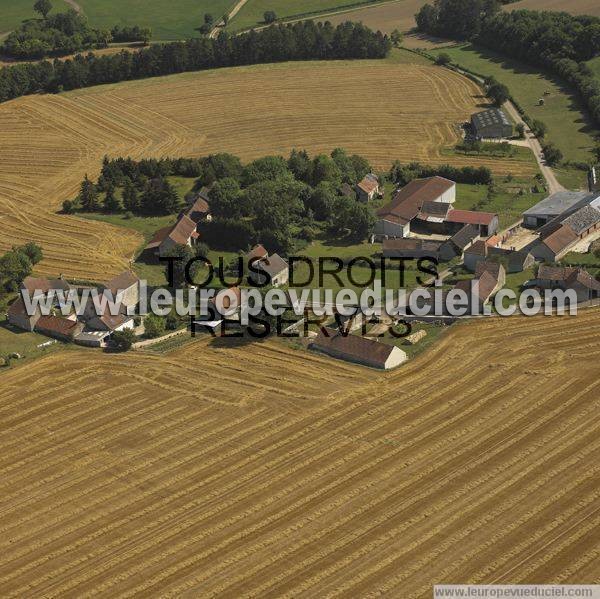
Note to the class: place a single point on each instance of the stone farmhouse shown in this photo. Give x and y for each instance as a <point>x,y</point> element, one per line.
<point>184,231</point>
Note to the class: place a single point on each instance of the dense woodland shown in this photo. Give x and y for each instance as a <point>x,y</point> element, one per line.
<point>556,41</point>
<point>279,201</point>
<point>299,41</point>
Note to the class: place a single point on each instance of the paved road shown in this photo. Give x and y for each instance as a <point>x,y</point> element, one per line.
<point>221,24</point>
<point>536,148</point>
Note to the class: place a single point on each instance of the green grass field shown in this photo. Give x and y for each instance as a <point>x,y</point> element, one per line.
<point>507,200</point>
<point>13,12</point>
<point>23,343</point>
<point>568,127</point>
<point>173,20</point>
<point>252,13</point>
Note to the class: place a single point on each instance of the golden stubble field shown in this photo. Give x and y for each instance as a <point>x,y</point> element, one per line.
<point>383,110</point>
<point>260,471</point>
<point>575,7</point>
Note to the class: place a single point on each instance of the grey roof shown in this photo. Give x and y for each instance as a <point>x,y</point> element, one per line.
<point>518,259</point>
<point>274,265</point>
<point>583,219</point>
<point>465,236</point>
<point>493,116</point>
<point>556,203</point>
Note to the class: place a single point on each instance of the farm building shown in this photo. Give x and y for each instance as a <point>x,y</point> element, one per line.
<point>475,254</point>
<point>368,189</point>
<point>481,288</point>
<point>585,286</point>
<point>563,232</point>
<point>494,268</point>
<point>486,222</point>
<point>183,232</point>
<point>459,242</point>
<point>17,316</point>
<point>519,261</point>
<point>551,207</point>
<point>395,218</point>
<point>35,286</point>
<point>273,265</point>
<point>353,348</point>
<point>92,338</point>
<point>111,323</point>
<point>199,211</point>
<point>425,206</point>
<point>125,288</point>
<point>556,245</point>
<point>411,248</point>
<point>491,124</point>
<point>58,327</point>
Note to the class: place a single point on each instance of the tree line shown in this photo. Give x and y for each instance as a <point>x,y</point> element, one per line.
<point>558,42</point>
<point>298,41</point>
<point>64,33</point>
<point>401,174</point>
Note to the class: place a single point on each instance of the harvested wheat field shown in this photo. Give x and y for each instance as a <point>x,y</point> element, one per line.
<point>399,14</point>
<point>575,7</point>
<point>264,472</point>
<point>50,142</point>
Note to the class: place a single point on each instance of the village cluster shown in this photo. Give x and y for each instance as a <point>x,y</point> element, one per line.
<point>420,222</point>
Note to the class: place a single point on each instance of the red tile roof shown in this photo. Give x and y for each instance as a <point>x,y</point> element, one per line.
<point>183,231</point>
<point>561,239</point>
<point>368,185</point>
<point>258,251</point>
<point>58,325</point>
<point>122,282</point>
<point>33,284</point>
<point>158,238</point>
<point>408,201</point>
<point>470,217</point>
<point>488,266</point>
<point>354,347</point>
<point>479,247</point>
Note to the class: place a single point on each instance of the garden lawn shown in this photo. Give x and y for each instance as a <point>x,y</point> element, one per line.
<point>13,340</point>
<point>568,125</point>
<point>505,201</point>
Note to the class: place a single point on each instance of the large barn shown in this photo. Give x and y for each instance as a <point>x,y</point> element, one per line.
<point>491,124</point>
